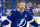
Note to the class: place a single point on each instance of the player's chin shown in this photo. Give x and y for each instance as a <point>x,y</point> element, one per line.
<point>23,8</point>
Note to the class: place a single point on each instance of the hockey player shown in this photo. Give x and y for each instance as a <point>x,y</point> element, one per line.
<point>19,17</point>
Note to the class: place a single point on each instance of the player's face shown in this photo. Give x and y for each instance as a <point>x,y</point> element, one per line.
<point>39,6</point>
<point>30,4</point>
<point>22,6</point>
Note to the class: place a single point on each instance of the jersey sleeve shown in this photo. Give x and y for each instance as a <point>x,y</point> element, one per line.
<point>11,16</point>
<point>30,17</point>
<point>32,21</point>
<point>5,22</point>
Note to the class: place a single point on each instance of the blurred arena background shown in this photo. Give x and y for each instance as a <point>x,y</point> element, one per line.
<point>33,6</point>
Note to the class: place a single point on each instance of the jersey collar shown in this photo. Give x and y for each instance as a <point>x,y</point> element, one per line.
<point>18,10</point>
